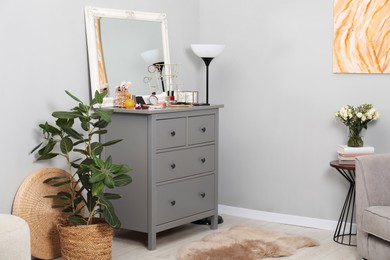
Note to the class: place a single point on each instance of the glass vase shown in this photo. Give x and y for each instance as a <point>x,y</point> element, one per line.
<point>354,137</point>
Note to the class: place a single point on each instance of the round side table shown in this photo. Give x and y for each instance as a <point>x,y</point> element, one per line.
<point>344,232</point>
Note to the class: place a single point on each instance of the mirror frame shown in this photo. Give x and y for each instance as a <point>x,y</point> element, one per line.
<point>91,13</point>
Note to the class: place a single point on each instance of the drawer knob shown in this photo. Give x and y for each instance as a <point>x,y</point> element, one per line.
<point>173,203</point>
<point>203,129</point>
<point>173,166</point>
<point>203,194</point>
<point>173,133</point>
<point>203,160</point>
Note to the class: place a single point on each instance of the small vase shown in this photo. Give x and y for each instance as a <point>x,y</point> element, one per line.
<point>354,137</point>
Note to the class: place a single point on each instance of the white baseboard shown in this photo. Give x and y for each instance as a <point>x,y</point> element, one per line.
<point>278,218</point>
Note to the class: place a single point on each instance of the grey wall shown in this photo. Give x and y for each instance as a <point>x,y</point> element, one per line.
<point>42,53</point>
<point>275,78</point>
<point>278,131</point>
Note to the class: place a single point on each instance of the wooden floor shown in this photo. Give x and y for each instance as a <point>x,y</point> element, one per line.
<point>132,245</point>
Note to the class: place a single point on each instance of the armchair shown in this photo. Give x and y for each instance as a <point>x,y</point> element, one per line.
<point>373,206</point>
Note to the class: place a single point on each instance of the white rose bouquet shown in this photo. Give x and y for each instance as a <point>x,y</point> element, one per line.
<point>356,119</point>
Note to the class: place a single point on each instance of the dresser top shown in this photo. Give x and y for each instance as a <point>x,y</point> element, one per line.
<point>172,109</point>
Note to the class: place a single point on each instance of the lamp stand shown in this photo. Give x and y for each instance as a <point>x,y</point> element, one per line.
<point>207,61</point>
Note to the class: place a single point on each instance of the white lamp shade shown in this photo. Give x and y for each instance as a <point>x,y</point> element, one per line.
<point>152,56</point>
<point>207,50</point>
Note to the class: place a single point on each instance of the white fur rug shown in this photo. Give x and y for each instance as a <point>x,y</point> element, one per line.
<point>244,243</point>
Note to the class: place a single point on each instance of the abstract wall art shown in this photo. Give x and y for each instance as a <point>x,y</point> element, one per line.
<point>361,40</point>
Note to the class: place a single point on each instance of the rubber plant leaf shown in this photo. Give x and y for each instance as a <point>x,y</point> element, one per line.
<point>72,96</point>
<point>66,145</point>
<point>109,213</point>
<point>65,114</point>
<point>122,180</point>
<point>111,196</point>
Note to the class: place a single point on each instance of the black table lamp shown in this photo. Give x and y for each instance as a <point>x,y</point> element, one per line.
<point>207,52</point>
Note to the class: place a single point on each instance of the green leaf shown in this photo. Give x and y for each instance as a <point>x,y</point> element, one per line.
<point>50,129</point>
<point>68,209</point>
<point>55,178</point>
<point>83,152</point>
<point>122,180</point>
<point>48,147</point>
<point>64,195</point>
<point>84,178</point>
<point>96,177</point>
<point>112,142</point>
<point>66,145</point>
<point>97,188</point>
<point>78,211</point>
<point>58,184</point>
<point>100,132</point>
<point>97,148</point>
<point>109,213</point>
<point>104,114</point>
<point>54,206</point>
<point>120,168</point>
<point>91,202</point>
<point>98,97</point>
<point>99,162</point>
<point>104,93</point>
<point>95,115</point>
<point>111,196</point>
<point>35,148</point>
<point>72,96</point>
<point>76,219</point>
<point>78,201</point>
<point>109,182</point>
<point>78,142</point>
<point>108,163</point>
<point>100,124</point>
<point>47,156</point>
<point>65,115</point>
<point>75,165</point>
<point>86,163</point>
<point>84,108</point>
<point>73,133</point>
<point>85,125</point>
<point>51,197</point>
<point>61,122</point>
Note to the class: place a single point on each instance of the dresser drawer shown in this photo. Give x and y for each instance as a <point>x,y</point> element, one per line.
<point>201,129</point>
<point>184,198</point>
<point>186,162</point>
<point>171,132</point>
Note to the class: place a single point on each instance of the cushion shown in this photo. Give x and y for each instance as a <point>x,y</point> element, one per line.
<point>376,221</point>
<point>14,238</point>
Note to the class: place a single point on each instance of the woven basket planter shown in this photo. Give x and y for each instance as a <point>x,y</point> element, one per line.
<point>86,241</point>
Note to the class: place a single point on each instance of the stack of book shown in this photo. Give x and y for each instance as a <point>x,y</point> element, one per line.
<point>347,155</point>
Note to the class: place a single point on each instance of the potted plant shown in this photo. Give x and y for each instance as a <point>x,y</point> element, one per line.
<point>75,137</point>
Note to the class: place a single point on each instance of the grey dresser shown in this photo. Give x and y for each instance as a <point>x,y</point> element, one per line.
<point>174,156</point>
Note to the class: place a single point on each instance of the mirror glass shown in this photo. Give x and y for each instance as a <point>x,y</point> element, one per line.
<point>123,45</point>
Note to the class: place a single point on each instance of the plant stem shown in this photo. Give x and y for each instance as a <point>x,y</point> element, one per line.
<point>91,214</point>
<point>71,184</point>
